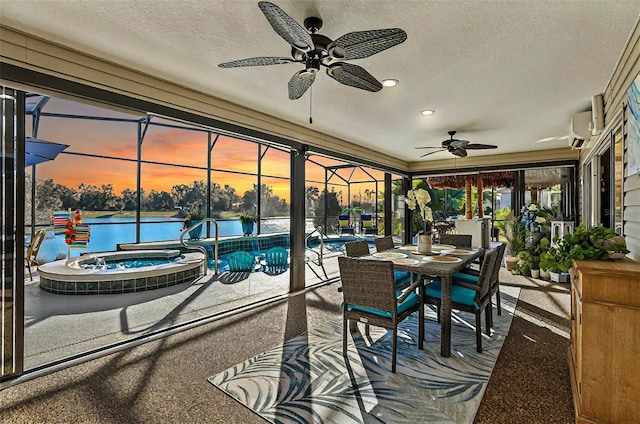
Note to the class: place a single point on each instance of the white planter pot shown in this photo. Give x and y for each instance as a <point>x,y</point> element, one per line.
<point>544,274</point>
<point>535,273</point>
<point>560,277</point>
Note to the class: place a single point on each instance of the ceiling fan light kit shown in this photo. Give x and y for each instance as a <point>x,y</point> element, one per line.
<point>315,50</point>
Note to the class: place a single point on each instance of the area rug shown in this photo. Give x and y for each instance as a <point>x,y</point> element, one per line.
<point>307,380</point>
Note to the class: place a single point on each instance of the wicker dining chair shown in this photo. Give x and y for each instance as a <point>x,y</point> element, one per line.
<point>34,248</point>
<point>403,278</point>
<point>370,296</point>
<point>384,243</point>
<point>357,248</point>
<point>472,298</point>
<point>458,240</point>
<point>470,276</point>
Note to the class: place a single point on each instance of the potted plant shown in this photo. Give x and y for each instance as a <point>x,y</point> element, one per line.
<point>192,218</point>
<point>524,264</point>
<point>537,249</point>
<point>247,220</point>
<point>515,234</point>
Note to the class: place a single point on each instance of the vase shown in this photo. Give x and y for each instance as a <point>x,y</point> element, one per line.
<point>424,244</point>
<point>196,233</point>
<point>247,228</point>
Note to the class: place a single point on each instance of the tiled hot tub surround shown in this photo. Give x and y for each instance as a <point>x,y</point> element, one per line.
<point>61,278</point>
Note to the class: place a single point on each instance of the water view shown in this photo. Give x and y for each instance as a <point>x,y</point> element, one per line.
<point>107,233</point>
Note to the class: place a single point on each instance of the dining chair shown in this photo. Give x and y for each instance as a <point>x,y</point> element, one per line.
<point>384,243</point>
<point>472,298</point>
<point>458,240</point>
<point>370,296</point>
<point>471,276</point>
<point>357,248</point>
<point>403,278</point>
<point>33,249</point>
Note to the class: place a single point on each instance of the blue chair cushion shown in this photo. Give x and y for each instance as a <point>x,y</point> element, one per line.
<point>402,278</point>
<point>466,278</point>
<point>411,301</point>
<point>459,294</point>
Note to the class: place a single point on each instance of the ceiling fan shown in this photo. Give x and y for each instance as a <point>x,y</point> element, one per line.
<point>457,147</point>
<point>315,50</point>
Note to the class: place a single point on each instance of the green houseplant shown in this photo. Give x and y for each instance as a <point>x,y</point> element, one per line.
<point>247,220</point>
<point>516,235</point>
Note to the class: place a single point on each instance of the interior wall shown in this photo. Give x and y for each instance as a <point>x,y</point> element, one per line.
<point>615,93</point>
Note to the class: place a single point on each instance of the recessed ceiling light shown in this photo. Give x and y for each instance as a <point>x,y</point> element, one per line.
<point>389,82</point>
<point>428,112</point>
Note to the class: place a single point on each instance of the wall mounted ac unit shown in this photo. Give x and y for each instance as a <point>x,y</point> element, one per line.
<point>580,132</point>
<point>597,114</point>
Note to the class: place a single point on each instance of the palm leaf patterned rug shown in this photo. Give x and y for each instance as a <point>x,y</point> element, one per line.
<point>307,380</point>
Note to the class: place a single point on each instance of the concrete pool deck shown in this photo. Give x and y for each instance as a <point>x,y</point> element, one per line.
<point>58,326</point>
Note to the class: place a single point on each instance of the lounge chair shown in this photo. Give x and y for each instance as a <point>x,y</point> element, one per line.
<point>276,261</point>
<point>241,261</point>
<point>344,225</point>
<point>367,225</point>
<point>33,249</point>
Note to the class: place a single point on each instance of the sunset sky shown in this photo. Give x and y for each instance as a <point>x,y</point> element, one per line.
<point>166,145</point>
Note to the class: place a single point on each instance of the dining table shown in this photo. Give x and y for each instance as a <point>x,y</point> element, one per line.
<point>406,258</point>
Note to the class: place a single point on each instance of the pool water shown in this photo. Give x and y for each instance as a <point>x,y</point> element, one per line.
<point>128,263</point>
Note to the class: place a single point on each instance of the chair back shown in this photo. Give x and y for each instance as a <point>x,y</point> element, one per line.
<point>277,256</point>
<point>486,273</point>
<point>344,221</point>
<point>384,243</point>
<point>458,240</point>
<point>498,264</point>
<point>366,221</point>
<point>35,244</point>
<point>368,283</point>
<point>354,249</point>
<point>241,261</point>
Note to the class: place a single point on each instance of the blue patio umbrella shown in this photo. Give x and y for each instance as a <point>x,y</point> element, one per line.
<point>38,151</point>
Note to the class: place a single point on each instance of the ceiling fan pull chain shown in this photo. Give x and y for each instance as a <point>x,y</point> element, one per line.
<point>310,101</point>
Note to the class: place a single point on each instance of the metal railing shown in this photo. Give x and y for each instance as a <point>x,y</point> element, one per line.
<point>320,254</point>
<point>201,248</point>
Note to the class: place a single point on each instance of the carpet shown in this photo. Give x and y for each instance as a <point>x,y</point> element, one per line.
<point>307,380</point>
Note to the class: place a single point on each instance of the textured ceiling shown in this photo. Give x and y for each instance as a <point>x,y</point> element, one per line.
<point>500,72</point>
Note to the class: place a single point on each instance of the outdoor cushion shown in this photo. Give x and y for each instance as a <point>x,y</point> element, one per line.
<point>367,224</point>
<point>409,302</point>
<point>344,224</point>
<point>465,278</point>
<point>402,278</point>
<point>459,294</point>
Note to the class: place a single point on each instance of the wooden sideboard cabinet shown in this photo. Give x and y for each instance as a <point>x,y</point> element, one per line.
<point>604,355</point>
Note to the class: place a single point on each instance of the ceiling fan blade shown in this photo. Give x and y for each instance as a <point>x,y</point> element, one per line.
<point>354,76</point>
<point>430,153</point>
<point>458,144</point>
<point>459,152</point>
<point>478,146</point>
<point>300,83</point>
<point>286,27</point>
<point>428,147</point>
<point>256,61</point>
<point>361,44</point>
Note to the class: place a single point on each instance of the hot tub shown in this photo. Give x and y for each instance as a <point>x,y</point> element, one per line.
<point>121,272</point>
